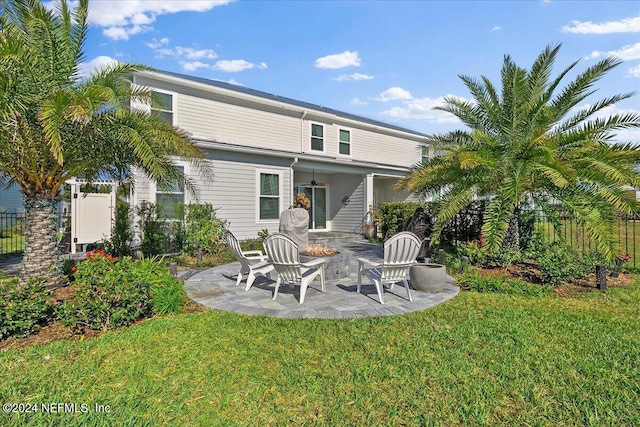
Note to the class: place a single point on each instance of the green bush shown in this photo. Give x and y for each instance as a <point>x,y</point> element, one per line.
<point>394,215</point>
<point>167,295</point>
<point>203,229</point>
<point>501,285</point>
<point>111,293</point>
<point>120,243</point>
<point>116,292</point>
<point>151,224</point>
<point>23,309</point>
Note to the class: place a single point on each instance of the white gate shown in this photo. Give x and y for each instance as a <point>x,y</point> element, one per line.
<point>92,214</point>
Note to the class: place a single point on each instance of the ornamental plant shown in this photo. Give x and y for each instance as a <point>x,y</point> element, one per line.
<point>24,309</point>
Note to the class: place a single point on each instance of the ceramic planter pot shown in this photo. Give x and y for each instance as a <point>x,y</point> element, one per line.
<point>428,277</point>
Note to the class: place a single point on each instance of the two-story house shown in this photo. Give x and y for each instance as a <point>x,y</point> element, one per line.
<point>265,149</point>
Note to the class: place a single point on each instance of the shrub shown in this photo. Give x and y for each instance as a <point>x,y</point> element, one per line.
<point>167,295</point>
<point>23,309</point>
<point>116,292</point>
<point>501,285</point>
<point>152,228</point>
<point>394,215</point>
<point>203,229</point>
<point>120,244</point>
<point>110,294</point>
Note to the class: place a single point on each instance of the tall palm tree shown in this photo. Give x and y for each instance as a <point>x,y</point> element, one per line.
<point>530,141</point>
<point>55,125</point>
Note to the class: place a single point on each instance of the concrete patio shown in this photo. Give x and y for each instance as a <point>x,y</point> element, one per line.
<point>215,288</point>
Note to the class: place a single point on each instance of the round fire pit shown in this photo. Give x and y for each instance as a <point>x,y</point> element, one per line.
<point>336,266</point>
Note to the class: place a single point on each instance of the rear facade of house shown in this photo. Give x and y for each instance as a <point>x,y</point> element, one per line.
<point>264,149</point>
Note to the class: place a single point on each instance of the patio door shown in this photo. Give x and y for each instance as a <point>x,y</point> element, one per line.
<point>318,211</point>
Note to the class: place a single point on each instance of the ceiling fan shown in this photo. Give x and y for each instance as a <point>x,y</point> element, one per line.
<point>313,182</point>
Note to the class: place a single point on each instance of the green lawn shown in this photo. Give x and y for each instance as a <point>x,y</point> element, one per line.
<point>480,359</point>
<point>11,245</point>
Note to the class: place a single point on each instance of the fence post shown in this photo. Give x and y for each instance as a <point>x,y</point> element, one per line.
<point>441,256</point>
<point>601,277</point>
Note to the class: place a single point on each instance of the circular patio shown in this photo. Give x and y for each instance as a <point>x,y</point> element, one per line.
<point>216,288</point>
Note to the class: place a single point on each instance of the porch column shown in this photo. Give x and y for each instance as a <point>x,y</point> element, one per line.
<point>368,192</point>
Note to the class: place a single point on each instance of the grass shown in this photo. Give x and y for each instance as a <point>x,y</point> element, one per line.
<point>11,245</point>
<point>479,359</point>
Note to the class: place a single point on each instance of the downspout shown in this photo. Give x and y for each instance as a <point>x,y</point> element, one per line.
<point>295,160</point>
<point>304,114</point>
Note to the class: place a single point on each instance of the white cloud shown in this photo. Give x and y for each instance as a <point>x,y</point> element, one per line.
<point>354,76</point>
<point>122,19</point>
<point>235,65</point>
<point>423,109</point>
<point>87,68</point>
<point>634,71</point>
<point>234,82</point>
<point>193,66</point>
<point>622,135</point>
<point>393,94</point>
<point>155,44</point>
<point>625,53</point>
<point>339,60</point>
<point>627,25</point>
<point>356,101</point>
<point>496,28</point>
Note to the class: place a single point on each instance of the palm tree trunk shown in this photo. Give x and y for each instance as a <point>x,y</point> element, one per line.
<point>512,238</point>
<point>41,255</point>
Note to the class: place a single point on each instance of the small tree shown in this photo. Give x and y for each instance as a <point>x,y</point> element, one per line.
<point>527,142</point>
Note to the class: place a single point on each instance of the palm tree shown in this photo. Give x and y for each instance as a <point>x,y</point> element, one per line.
<point>56,125</point>
<point>532,143</point>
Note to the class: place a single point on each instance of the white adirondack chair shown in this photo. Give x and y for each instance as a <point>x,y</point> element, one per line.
<point>400,253</point>
<point>252,263</point>
<point>283,254</point>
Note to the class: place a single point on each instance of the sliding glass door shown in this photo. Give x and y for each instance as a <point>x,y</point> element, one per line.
<point>318,211</point>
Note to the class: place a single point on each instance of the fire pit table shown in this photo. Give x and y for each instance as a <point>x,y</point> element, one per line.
<point>336,264</point>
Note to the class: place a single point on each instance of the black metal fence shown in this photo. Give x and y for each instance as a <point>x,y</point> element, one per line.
<point>12,231</point>
<point>626,234</point>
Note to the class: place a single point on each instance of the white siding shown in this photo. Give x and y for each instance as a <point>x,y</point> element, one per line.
<point>232,191</point>
<point>11,200</point>
<point>347,217</point>
<point>211,115</point>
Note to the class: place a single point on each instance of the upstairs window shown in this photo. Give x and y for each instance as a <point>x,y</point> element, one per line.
<point>162,106</point>
<point>344,145</point>
<point>425,154</point>
<point>317,137</point>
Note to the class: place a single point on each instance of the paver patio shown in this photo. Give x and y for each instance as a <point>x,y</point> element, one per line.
<point>215,288</point>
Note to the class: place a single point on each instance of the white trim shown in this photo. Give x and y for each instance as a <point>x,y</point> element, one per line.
<point>174,103</point>
<point>324,137</point>
<point>280,174</point>
<point>338,153</point>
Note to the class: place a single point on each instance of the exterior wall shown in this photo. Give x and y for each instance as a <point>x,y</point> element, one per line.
<point>232,190</point>
<point>11,200</point>
<point>213,116</point>
<point>384,191</point>
<point>348,216</point>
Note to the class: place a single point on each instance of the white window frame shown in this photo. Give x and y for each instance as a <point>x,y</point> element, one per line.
<point>350,142</point>
<point>153,185</point>
<point>280,174</point>
<point>324,137</point>
<point>173,104</point>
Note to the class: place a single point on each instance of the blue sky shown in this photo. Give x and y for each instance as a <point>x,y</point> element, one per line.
<point>387,60</point>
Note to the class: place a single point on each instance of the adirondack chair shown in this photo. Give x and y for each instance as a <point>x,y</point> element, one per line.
<point>252,263</point>
<point>400,253</point>
<point>283,254</point>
